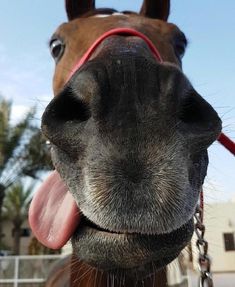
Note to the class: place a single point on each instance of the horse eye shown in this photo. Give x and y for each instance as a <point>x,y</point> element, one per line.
<point>57,48</point>
<point>180,44</point>
<point>180,49</point>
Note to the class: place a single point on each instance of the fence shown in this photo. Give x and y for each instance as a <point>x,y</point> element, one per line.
<point>26,271</point>
<point>32,271</point>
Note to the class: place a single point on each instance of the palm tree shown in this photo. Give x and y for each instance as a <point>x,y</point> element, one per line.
<point>23,151</point>
<point>15,208</point>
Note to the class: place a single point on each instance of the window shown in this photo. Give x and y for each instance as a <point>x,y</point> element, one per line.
<point>229,242</point>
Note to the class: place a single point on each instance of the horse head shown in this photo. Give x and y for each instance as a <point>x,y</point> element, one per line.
<point>129,137</point>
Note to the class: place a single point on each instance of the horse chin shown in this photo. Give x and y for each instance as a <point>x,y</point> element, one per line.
<point>134,254</point>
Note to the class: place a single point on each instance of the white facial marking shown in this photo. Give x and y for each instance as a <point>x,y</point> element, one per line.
<point>101,15</point>
<point>109,15</point>
<point>117,13</point>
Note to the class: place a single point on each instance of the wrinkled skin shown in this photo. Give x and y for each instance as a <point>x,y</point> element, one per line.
<point>130,138</point>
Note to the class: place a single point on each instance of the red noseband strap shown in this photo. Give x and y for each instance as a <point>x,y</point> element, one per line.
<point>113,32</point>
<point>223,139</point>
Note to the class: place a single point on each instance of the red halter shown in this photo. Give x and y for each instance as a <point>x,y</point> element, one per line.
<point>116,31</point>
<point>223,139</point>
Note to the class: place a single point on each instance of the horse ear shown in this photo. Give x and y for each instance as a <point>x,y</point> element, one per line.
<point>76,8</point>
<point>158,9</point>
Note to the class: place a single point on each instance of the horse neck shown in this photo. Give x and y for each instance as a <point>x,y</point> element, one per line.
<point>85,276</point>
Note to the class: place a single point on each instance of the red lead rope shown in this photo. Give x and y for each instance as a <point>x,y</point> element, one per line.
<point>227,142</point>
<point>201,204</point>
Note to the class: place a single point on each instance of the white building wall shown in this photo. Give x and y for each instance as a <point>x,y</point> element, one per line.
<point>218,218</point>
<point>67,249</point>
<point>8,238</point>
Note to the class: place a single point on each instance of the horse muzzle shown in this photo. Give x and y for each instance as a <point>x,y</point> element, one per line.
<point>126,131</point>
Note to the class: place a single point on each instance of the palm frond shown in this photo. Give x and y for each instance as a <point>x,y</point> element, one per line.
<point>16,135</point>
<point>17,200</point>
<point>5,111</point>
<point>37,155</point>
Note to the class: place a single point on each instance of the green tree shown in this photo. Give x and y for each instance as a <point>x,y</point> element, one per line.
<point>23,151</point>
<point>15,208</point>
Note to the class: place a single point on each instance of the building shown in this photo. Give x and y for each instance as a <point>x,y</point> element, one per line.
<point>219,219</point>
<point>8,240</point>
<point>29,245</point>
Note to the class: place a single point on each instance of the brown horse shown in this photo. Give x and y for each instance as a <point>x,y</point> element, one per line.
<point>129,138</point>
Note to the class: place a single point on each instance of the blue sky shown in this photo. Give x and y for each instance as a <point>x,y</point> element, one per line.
<point>27,69</point>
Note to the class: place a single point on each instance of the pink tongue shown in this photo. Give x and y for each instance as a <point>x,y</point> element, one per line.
<point>53,213</point>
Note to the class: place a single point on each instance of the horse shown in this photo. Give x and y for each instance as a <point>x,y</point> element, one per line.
<point>129,137</point>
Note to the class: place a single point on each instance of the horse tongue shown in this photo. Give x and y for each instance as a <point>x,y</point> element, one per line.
<point>53,213</point>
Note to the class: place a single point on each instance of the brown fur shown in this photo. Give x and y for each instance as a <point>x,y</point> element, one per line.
<point>162,37</point>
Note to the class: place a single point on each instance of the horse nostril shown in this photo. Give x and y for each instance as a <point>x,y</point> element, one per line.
<point>192,111</point>
<point>69,107</point>
<point>198,118</point>
<point>64,118</point>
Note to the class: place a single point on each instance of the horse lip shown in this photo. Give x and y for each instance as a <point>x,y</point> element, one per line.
<point>90,245</point>
<point>94,228</point>
<point>85,222</point>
